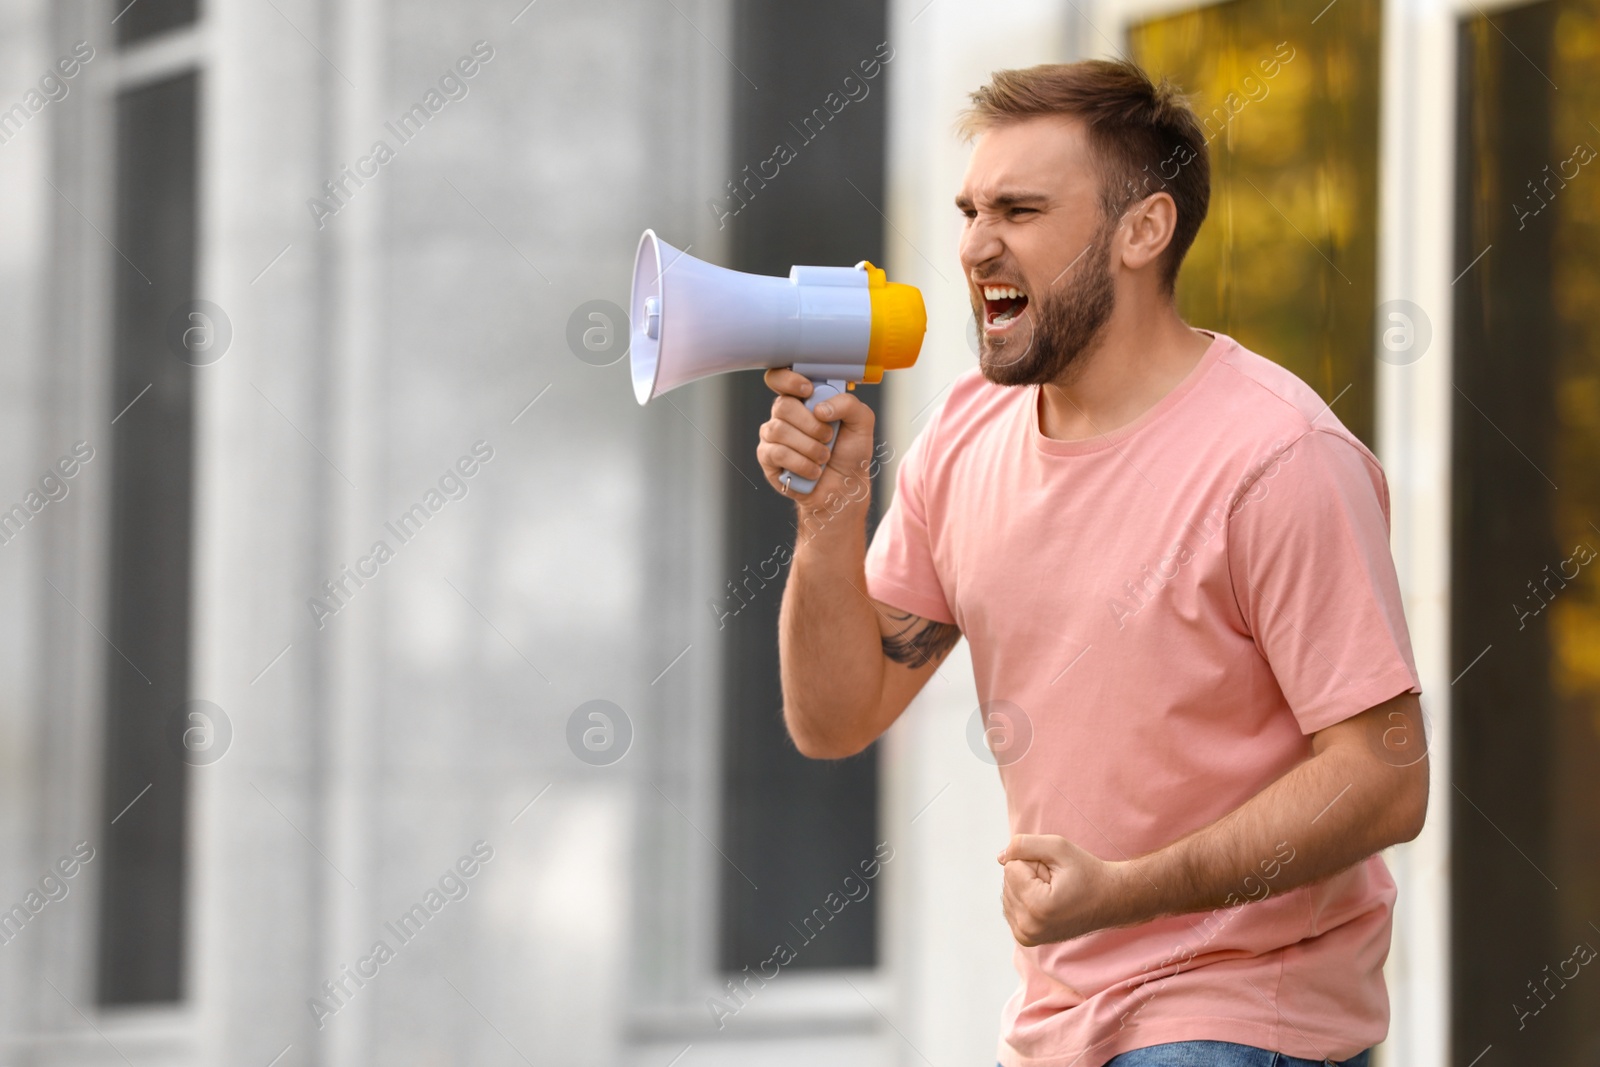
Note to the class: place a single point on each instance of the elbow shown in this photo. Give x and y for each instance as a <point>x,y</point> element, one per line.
<point>1411,821</point>
<point>813,749</point>
<point>814,743</point>
<point>1410,808</point>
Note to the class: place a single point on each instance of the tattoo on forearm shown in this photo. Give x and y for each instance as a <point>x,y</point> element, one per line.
<point>918,641</point>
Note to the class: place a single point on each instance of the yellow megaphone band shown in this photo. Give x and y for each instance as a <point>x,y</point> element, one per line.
<point>899,321</point>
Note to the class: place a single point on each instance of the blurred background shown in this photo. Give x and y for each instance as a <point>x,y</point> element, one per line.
<point>384,685</point>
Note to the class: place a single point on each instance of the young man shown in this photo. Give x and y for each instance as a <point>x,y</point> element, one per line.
<point>1171,563</point>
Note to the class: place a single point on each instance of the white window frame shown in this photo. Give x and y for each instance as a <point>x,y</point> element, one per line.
<point>81,162</point>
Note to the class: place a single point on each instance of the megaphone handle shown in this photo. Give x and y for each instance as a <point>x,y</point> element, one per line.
<point>821,389</point>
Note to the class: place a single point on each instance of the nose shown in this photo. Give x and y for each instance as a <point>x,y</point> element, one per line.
<point>980,243</point>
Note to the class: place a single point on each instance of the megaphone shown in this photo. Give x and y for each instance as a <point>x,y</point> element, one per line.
<point>836,325</point>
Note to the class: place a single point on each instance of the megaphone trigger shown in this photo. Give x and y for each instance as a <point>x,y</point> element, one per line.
<point>821,389</point>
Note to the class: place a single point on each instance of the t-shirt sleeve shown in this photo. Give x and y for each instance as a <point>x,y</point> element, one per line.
<point>900,568</point>
<point>1308,552</point>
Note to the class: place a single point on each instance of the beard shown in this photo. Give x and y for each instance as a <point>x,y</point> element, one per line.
<point>1066,321</point>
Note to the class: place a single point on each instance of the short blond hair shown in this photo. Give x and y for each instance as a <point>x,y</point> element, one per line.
<point>1145,135</point>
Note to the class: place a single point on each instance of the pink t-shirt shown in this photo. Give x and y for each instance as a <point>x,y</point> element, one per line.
<point>1159,618</point>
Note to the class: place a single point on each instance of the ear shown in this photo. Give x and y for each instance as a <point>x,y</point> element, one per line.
<point>1147,228</point>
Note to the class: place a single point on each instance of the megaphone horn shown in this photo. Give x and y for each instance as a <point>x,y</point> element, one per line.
<point>836,325</point>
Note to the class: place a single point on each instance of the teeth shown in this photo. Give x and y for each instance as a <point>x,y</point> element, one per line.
<point>1001,292</point>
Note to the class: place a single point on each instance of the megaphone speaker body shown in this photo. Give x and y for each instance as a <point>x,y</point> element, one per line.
<point>836,325</point>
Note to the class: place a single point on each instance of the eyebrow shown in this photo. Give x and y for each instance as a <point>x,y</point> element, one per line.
<point>1004,200</point>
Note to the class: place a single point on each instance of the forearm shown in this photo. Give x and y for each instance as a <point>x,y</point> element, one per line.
<point>1364,788</point>
<point>1326,814</point>
<point>830,651</point>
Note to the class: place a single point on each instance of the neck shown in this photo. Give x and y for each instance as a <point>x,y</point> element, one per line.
<point>1144,351</point>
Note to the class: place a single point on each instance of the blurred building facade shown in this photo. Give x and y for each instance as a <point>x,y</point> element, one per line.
<point>349,600</point>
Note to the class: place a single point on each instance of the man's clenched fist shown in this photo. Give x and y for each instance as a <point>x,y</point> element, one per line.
<point>1055,891</point>
<point>795,439</point>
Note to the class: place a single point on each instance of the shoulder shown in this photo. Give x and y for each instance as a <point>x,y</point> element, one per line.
<point>1274,413</point>
<point>969,406</point>
<point>1268,403</point>
<point>974,400</point>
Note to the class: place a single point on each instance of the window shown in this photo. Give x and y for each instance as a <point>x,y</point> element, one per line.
<point>138,19</point>
<point>792,826</point>
<point>1286,262</point>
<point>1525,621</point>
<point>142,904</point>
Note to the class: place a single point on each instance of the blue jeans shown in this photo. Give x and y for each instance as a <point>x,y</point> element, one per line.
<point>1220,1054</point>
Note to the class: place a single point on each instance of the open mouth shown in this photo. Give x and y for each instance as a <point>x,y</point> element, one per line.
<point>1002,304</point>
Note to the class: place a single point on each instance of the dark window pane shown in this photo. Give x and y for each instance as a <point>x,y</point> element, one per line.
<point>1286,262</point>
<point>1525,812</point>
<point>142,900</point>
<point>795,826</point>
<point>138,19</point>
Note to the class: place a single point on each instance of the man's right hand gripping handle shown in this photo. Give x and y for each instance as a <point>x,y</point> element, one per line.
<point>796,440</point>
